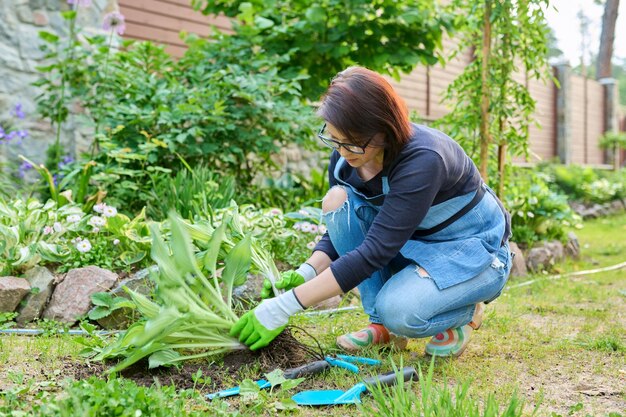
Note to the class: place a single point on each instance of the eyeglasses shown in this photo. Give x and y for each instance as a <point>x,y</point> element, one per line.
<point>335,144</point>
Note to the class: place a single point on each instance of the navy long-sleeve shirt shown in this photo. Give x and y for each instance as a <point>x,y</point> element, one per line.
<point>431,168</point>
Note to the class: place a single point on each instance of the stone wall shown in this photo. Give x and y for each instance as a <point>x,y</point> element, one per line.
<point>20,54</point>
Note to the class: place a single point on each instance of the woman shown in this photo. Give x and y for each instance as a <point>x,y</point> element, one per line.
<point>410,223</point>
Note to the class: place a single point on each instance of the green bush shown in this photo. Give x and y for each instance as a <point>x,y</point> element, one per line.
<point>537,212</point>
<point>222,105</point>
<point>587,184</point>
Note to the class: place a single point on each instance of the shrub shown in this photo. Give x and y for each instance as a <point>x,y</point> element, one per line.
<point>537,212</point>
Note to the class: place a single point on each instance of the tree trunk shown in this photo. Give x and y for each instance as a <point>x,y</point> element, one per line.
<point>485,138</point>
<point>605,54</point>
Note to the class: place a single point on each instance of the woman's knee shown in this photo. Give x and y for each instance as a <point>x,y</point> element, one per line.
<point>334,199</point>
<point>401,317</point>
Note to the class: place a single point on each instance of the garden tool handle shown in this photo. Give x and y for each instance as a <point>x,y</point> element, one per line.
<point>359,359</point>
<point>390,378</point>
<point>308,369</point>
<point>342,364</point>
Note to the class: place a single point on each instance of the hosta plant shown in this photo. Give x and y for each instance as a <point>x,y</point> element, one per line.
<point>192,310</point>
<point>35,233</point>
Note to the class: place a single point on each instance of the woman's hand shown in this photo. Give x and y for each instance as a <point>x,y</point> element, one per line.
<point>258,327</point>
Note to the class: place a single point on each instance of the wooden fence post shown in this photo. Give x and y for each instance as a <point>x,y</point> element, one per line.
<point>563,113</point>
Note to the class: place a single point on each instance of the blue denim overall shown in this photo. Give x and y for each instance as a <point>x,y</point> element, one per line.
<point>466,262</point>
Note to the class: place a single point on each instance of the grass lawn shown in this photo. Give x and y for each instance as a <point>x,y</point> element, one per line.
<point>559,343</point>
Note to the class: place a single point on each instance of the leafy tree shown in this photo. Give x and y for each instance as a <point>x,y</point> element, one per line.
<point>326,36</point>
<point>492,110</point>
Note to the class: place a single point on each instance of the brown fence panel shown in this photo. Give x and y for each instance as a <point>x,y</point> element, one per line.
<point>595,122</point>
<point>162,21</point>
<point>542,135</point>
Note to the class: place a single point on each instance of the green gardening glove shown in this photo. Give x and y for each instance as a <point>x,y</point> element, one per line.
<point>289,280</point>
<point>258,327</point>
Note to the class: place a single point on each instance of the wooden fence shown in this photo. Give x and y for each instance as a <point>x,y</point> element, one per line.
<point>163,20</point>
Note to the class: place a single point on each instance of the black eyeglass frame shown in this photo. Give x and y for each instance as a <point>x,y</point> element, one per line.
<point>335,144</point>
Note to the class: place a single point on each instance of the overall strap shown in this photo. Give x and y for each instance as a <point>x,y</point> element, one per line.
<point>477,197</point>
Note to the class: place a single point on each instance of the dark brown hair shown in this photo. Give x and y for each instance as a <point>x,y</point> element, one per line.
<point>361,103</point>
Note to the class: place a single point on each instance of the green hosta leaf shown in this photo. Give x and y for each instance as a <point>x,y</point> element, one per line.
<point>182,251</point>
<point>104,299</point>
<point>210,259</point>
<point>146,307</point>
<point>130,258</point>
<point>237,264</point>
<point>99,312</point>
<point>51,252</point>
<point>162,357</point>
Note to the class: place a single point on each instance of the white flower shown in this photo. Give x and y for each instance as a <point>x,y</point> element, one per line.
<point>306,227</point>
<point>73,218</point>
<point>109,211</point>
<point>116,242</point>
<point>297,226</point>
<point>317,238</point>
<point>58,227</point>
<point>47,230</point>
<point>99,208</point>
<point>95,229</point>
<point>322,229</point>
<point>97,221</point>
<point>313,228</point>
<point>83,246</point>
<point>275,212</point>
<point>311,245</point>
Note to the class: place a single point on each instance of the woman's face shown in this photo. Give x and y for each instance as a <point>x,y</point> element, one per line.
<point>373,154</point>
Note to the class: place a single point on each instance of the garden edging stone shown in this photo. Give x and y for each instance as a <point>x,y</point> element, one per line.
<point>34,303</point>
<point>12,291</point>
<point>139,282</point>
<point>71,299</point>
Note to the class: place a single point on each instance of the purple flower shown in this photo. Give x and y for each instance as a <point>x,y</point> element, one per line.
<point>67,159</point>
<point>18,112</point>
<point>24,166</point>
<point>114,21</point>
<point>84,3</point>
<point>1,133</point>
<point>22,133</point>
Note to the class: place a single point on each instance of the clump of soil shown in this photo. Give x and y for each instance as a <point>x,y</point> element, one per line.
<point>284,352</point>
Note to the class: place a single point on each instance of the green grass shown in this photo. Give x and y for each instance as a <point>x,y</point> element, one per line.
<point>559,344</point>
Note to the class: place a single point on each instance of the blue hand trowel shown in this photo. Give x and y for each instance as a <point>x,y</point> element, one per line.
<point>353,395</point>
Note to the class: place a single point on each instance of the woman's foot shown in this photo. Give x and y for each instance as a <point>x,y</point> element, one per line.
<point>374,334</point>
<point>453,342</point>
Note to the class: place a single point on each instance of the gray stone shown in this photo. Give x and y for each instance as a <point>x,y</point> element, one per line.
<point>12,290</point>
<point>556,249</point>
<point>538,259</point>
<point>24,13</point>
<point>30,43</point>
<point>37,4</point>
<point>616,206</point>
<point>53,5</point>
<point>71,299</point>
<point>518,269</point>
<point>123,317</point>
<point>572,247</point>
<point>10,58</point>
<point>41,279</point>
